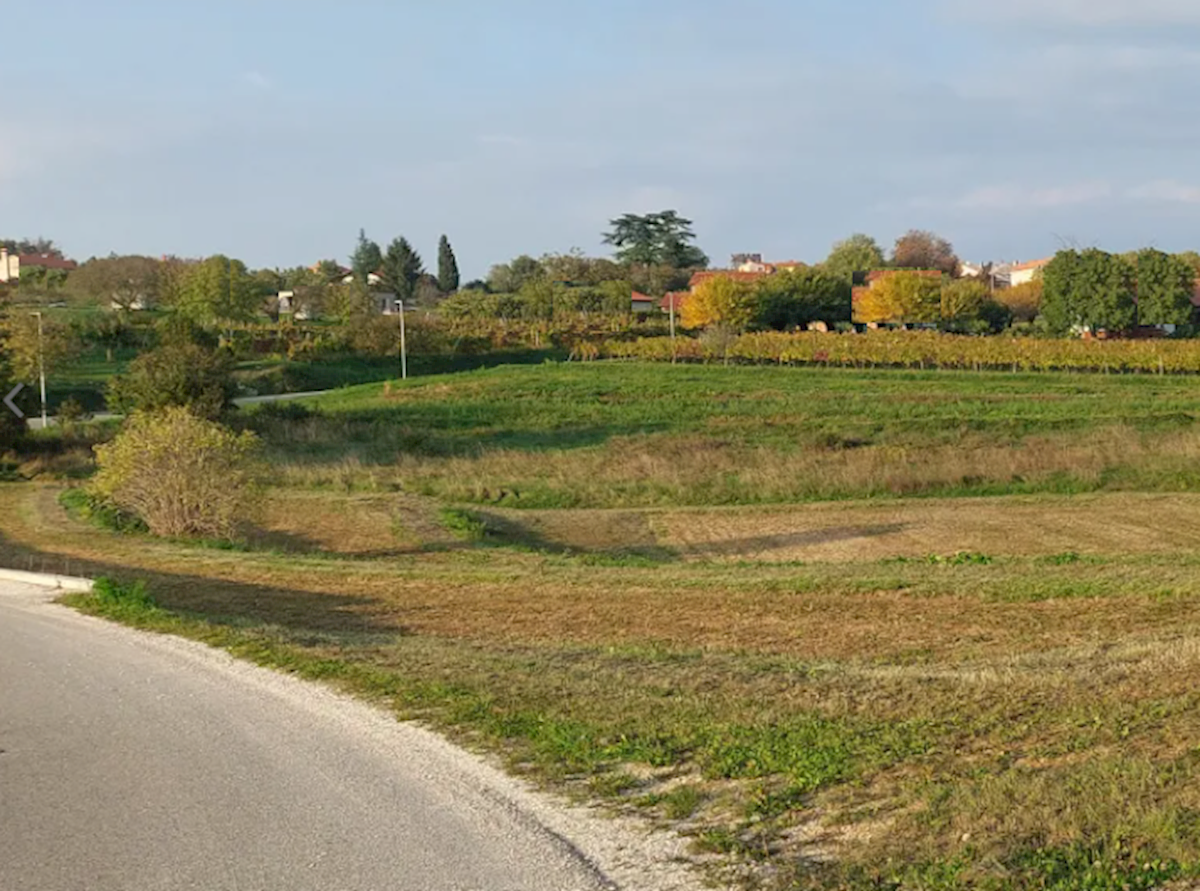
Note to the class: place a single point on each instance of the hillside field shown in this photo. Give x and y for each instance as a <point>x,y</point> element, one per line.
<point>848,629</point>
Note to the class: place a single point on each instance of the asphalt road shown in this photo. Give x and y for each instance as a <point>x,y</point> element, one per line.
<point>134,762</point>
<point>35,420</point>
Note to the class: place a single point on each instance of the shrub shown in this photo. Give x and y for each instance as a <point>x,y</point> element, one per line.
<point>176,374</point>
<point>181,474</point>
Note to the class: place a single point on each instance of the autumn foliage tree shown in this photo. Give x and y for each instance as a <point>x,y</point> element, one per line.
<point>917,249</point>
<point>902,297</point>
<point>720,300</point>
<point>1024,301</point>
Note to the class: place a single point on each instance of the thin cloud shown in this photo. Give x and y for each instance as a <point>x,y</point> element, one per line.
<point>258,80</point>
<point>1009,197</point>
<point>1087,13</point>
<point>1166,191</point>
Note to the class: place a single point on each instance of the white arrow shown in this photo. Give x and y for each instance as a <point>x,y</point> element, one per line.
<point>12,406</point>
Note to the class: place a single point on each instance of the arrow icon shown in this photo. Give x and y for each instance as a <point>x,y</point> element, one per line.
<point>12,406</point>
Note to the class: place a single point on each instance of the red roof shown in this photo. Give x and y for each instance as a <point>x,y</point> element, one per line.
<point>46,261</point>
<point>1032,264</point>
<point>673,298</point>
<point>639,297</point>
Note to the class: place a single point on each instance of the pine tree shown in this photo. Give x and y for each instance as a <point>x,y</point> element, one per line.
<point>447,267</point>
<point>366,259</point>
<point>402,269</point>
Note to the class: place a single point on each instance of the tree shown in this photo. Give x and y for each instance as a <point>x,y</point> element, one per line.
<point>125,283</point>
<point>901,298</point>
<point>508,278</point>
<point>40,246</point>
<point>858,253</point>
<point>11,426</point>
<point>447,277</point>
<point>402,269</point>
<point>1024,301</point>
<point>175,374</point>
<point>330,271</point>
<point>346,302</point>
<point>917,249</point>
<point>181,474</point>
<point>1165,287</point>
<point>366,259</point>
<point>29,350</point>
<point>219,290</point>
<point>964,299</point>
<point>657,238</point>
<point>720,300</point>
<point>798,297</point>
<point>1091,289</point>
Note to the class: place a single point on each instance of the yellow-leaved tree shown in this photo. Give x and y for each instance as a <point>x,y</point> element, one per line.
<point>903,297</point>
<point>1024,301</point>
<point>720,300</point>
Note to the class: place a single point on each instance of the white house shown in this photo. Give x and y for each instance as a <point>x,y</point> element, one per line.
<point>10,266</point>
<point>1023,273</point>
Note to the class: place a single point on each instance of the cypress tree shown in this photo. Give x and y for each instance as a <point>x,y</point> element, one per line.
<point>447,267</point>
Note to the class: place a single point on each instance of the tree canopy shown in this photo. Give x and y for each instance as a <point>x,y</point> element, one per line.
<point>917,249</point>
<point>218,290</point>
<point>122,282</point>
<point>366,259</point>
<point>1089,289</point>
<point>656,238</point>
<point>402,269</point>
<point>1165,286</point>
<point>720,300</point>
<point>858,253</point>
<point>447,277</point>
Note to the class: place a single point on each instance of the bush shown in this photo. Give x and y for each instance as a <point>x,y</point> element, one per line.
<point>181,474</point>
<point>177,374</point>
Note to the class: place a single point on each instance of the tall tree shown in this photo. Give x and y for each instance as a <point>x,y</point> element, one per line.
<point>366,259</point>
<point>1165,287</point>
<point>218,290</point>
<point>1088,289</point>
<point>402,269</point>
<point>656,238</point>
<point>124,283</point>
<point>447,277</point>
<point>858,253</point>
<point>917,249</point>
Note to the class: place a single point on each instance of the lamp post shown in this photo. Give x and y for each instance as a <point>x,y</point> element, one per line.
<point>42,368</point>
<point>403,347</point>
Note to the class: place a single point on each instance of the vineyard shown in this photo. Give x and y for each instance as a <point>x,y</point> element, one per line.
<point>923,350</point>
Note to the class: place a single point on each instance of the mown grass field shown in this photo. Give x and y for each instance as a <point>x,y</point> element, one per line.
<point>714,597</point>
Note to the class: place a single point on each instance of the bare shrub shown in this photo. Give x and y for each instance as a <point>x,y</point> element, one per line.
<point>181,474</point>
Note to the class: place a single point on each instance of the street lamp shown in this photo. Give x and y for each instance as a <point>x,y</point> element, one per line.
<point>403,345</point>
<point>42,368</point>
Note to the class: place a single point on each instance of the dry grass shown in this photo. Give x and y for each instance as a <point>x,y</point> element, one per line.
<point>650,470</point>
<point>893,708</point>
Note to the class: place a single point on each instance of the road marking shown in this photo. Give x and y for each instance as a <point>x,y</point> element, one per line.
<point>12,406</point>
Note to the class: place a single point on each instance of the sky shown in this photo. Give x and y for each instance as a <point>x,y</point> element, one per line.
<point>273,130</point>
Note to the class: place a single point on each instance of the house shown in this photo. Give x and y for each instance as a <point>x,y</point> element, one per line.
<point>998,277</point>
<point>643,303</point>
<point>755,263</point>
<point>1023,273</point>
<point>10,266</point>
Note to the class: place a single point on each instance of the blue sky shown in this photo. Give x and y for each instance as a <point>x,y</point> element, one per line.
<point>273,130</point>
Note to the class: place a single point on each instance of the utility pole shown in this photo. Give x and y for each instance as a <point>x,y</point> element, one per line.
<point>403,346</point>
<point>671,307</point>
<point>42,369</point>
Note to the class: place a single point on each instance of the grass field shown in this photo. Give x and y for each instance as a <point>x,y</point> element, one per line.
<point>711,597</point>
